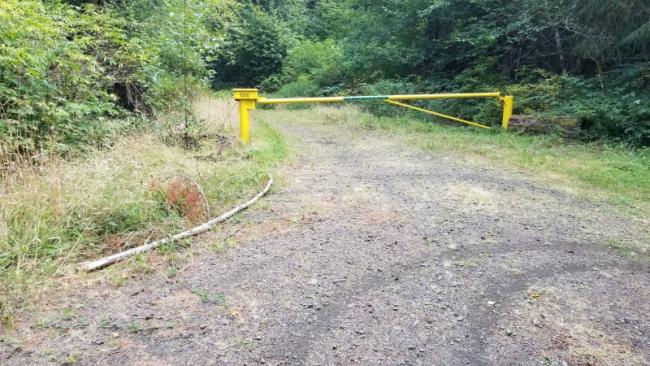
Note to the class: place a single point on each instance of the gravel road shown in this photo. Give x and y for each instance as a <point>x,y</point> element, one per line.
<point>373,252</point>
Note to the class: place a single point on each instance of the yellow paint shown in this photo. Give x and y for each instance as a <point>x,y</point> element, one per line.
<point>455,119</point>
<point>248,99</point>
<point>508,105</point>
<point>246,94</point>
<point>300,100</point>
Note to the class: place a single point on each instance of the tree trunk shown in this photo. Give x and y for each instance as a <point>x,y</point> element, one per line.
<point>556,35</point>
<point>560,52</point>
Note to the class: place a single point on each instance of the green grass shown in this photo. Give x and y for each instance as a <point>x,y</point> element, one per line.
<point>209,298</point>
<point>594,171</point>
<point>611,172</point>
<point>60,213</point>
<point>226,184</point>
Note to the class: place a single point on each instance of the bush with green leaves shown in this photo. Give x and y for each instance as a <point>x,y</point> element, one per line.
<point>74,75</point>
<point>583,59</point>
<point>52,92</point>
<point>254,49</point>
<point>299,88</point>
<point>314,60</point>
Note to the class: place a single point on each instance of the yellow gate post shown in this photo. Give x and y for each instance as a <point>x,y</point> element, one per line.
<point>247,99</point>
<point>508,104</point>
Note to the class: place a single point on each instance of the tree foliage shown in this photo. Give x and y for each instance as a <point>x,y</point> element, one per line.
<point>48,83</point>
<point>255,48</point>
<point>593,53</point>
<point>69,70</point>
<point>74,73</point>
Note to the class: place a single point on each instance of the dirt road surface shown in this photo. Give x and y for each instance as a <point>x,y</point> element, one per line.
<point>372,252</point>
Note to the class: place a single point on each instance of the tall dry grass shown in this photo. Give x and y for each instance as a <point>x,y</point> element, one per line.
<point>217,114</point>
<point>58,212</point>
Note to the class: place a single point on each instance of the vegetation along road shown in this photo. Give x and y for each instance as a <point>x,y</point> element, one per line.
<point>388,237</point>
<point>373,251</point>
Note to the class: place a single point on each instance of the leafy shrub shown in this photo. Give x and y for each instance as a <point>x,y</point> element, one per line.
<point>540,91</point>
<point>71,76</point>
<point>51,91</point>
<point>254,49</point>
<point>386,87</point>
<point>613,107</point>
<point>298,88</point>
<point>271,84</point>
<point>317,61</point>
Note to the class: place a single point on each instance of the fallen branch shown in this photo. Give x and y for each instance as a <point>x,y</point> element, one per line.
<point>107,261</point>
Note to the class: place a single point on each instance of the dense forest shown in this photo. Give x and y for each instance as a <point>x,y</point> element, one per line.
<point>74,73</point>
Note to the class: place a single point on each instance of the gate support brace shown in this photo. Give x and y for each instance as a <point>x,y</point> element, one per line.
<point>441,115</point>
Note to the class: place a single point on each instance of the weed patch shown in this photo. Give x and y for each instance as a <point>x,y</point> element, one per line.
<point>209,298</point>
<point>59,213</point>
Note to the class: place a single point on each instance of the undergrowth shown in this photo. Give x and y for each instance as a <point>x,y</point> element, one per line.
<point>56,214</point>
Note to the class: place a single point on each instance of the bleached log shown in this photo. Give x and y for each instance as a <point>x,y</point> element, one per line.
<point>107,261</point>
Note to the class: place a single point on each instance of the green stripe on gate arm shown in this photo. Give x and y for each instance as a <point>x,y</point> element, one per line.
<point>248,98</point>
<point>445,96</point>
<point>366,97</point>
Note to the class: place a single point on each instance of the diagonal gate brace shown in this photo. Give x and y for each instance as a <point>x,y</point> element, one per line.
<point>437,114</point>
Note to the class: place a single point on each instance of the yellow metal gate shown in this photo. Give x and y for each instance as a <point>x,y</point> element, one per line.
<point>249,98</point>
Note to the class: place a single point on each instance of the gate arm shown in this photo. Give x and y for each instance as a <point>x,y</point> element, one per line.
<point>441,115</point>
